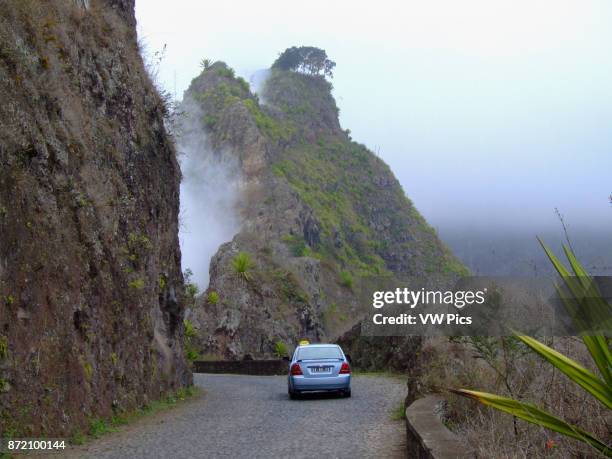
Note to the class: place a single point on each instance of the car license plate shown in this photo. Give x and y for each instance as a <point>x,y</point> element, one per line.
<point>320,369</point>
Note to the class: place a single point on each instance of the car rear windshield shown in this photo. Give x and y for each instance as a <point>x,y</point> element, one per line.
<point>314,353</point>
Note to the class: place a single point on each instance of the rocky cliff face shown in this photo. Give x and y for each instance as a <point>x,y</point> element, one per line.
<point>322,216</point>
<point>91,291</point>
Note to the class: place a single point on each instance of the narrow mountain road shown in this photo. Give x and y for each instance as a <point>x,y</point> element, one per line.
<point>251,416</point>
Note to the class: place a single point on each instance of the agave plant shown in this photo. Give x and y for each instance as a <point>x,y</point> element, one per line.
<point>591,315</point>
<point>242,264</point>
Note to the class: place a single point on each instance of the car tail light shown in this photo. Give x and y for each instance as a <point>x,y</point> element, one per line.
<point>345,369</point>
<point>296,369</point>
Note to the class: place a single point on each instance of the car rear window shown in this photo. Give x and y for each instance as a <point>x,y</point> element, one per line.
<point>313,353</point>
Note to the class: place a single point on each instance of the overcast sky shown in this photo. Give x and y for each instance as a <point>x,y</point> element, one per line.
<point>489,112</point>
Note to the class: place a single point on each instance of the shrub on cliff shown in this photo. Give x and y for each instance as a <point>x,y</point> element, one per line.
<point>346,279</point>
<point>212,297</point>
<point>191,288</point>
<point>242,264</point>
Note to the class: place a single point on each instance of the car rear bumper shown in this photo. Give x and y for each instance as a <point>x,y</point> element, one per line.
<point>301,383</point>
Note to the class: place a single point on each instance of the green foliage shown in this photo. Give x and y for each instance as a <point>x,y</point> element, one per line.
<point>398,413</point>
<point>189,329</point>
<point>218,99</point>
<point>242,265</point>
<point>280,349</point>
<point>210,121</point>
<point>81,200</point>
<point>333,315</point>
<point>340,181</point>
<point>330,179</point>
<point>275,129</point>
<point>243,84</point>
<point>88,370</point>
<point>580,295</point>
<point>451,265</point>
<point>306,59</point>
<point>205,63</point>
<point>9,300</point>
<point>137,284</point>
<point>78,438</point>
<point>4,350</point>
<point>289,288</point>
<point>99,427</point>
<point>114,358</point>
<point>212,297</point>
<point>191,288</point>
<point>162,282</point>
<point>297,245</point>
<point>227,72</point>
<point>138,246</point>
<point>185,392</point>
<point>191,352</point>
<point>346,279</point>
<point>137,241</point>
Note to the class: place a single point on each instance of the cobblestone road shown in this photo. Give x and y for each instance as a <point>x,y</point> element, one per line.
<point>251,416</point>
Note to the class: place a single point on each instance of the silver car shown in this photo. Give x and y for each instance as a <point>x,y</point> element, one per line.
<point>319,367</point>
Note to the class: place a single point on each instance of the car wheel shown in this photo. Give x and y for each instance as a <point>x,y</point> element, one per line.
<point>347,393</point>
<point>292,395</point>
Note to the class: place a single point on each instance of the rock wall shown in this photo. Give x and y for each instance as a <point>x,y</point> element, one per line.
<point>91,290</point>
<point>376,353</point>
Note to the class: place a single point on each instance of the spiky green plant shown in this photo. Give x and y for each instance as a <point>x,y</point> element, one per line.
<point>590,312</point>
<point>280,349</point>
<point>212,297</point>
<point>242,264</point>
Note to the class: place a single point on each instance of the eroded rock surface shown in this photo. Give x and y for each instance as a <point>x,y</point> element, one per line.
<point>91,291</point>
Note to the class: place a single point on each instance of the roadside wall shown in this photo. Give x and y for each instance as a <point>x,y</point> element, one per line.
<point>242,367</point>
<point>427,437</point>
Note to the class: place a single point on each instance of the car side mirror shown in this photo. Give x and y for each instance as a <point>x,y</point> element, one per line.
<point>286,358</point>
<point>348,358</point>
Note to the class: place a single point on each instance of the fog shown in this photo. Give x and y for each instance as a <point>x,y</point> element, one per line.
<point>490,113</point>
<point>209,195</point>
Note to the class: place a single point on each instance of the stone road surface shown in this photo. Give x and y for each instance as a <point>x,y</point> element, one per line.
<point>251,416</point>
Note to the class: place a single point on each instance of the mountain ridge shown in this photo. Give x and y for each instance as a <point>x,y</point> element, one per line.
<point>322,215</point>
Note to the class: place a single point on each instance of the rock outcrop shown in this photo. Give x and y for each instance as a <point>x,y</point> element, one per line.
<point>322,217</point>
<point>91,290</point>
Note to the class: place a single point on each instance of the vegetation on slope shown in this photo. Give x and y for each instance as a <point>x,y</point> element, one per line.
<point>335,207</point>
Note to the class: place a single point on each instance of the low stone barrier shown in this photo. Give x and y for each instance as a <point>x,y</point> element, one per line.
<point>427,436</point>
<point>242,367</point>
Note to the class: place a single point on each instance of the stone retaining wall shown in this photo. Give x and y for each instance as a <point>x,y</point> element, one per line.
<point>242,367</point>
<point>427,437</point>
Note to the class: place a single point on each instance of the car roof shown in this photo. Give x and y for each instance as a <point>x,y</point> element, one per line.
<point>318,345</point>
